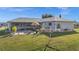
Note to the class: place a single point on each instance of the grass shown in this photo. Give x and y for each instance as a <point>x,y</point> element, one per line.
<point>2,31</point>
<point>66,41</point>
<point>3,28</point>
<point>57,34</point>
<point>23,43</point>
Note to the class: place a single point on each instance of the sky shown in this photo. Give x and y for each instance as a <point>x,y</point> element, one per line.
<point>10,13</point>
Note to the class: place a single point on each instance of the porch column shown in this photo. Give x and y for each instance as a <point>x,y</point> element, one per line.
<point>9,26</point>
<point>55,26</point>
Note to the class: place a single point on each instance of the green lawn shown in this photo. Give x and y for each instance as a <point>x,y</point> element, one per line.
<point>67,41</point>
<point>23,42</point>
<point>3,28</point>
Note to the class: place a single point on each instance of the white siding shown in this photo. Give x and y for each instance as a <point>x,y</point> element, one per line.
<point>67,25</point>
<point>53,26</point>
<point>63,26</point>
<point>45,25</point>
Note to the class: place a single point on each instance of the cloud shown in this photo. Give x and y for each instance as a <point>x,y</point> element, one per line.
<point>16,9</point>
<point>11,9</point>
<point>64,10</point>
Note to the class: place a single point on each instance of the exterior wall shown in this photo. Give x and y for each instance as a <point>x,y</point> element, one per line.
<point>67,25</point>
<point>22,26</point>
<point>64,26</point>
<point>47,27</point>
<point>53,26</point>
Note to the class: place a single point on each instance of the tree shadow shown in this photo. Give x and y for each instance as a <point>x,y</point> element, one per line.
<point>54,48</point>
<point>57,34</point>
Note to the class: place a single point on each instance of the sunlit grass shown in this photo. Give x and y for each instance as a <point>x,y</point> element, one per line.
<point>23,43</point>
<point>3,28</point>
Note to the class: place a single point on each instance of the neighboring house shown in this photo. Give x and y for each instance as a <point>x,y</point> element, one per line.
<point>3,24</point>
<point>53,24</point>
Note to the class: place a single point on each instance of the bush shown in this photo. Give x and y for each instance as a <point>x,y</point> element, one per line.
<point>14,29</point>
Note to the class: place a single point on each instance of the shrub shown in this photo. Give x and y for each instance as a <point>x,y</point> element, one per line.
<point>14,29</point>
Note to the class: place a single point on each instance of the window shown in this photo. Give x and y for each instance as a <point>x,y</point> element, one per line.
<point>50,24</point>
<point>58,26</point>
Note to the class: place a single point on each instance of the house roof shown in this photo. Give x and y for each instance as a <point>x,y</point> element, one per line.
<point>55,19</point>
<point>22,19</point>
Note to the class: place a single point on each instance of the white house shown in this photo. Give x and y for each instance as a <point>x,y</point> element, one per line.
<point>57,24</point>
<point>54,24</point>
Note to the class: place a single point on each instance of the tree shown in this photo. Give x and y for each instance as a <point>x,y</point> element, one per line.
<point>14,29</point>
<point>46,15</point>
<point>60,16</point>
<point>36,26</point>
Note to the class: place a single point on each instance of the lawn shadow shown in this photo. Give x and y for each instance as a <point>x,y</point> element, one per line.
<point>4,34</point>
<point>56,34</point>
<point>54,48</point>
